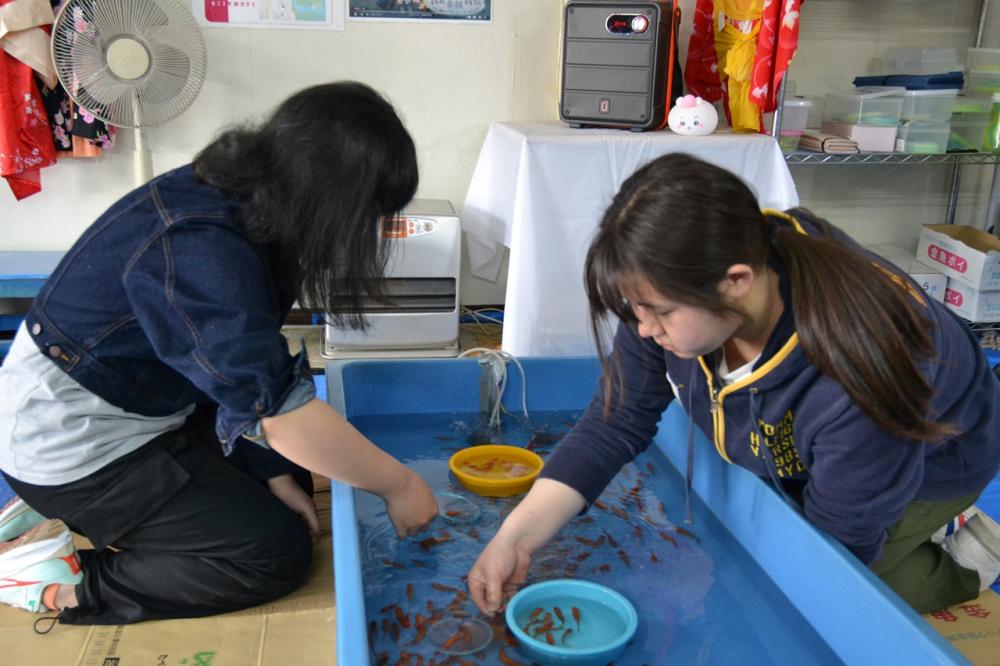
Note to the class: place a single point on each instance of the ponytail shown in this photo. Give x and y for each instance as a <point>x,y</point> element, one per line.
<point>863,326</point>
<point>681,223</point>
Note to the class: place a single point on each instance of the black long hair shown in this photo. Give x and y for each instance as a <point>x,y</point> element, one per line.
<point>315,178</point>
<point>681,223</point>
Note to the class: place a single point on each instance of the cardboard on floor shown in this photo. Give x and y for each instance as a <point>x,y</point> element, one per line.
<point>298,629</point>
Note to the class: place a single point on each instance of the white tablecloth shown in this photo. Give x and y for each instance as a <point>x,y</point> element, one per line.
<point>541,188</point>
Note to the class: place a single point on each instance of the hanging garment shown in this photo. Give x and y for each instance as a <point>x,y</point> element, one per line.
<point>776,45</point>
<point>739,51</point>
<point>721,57</point>
<point>25,138</point>
<point>75,131</point>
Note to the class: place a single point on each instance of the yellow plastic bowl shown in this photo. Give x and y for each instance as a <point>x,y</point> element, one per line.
<point>494,477</point>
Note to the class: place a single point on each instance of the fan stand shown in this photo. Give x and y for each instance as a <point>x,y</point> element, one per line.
<point>142,158</point>
<point>129,60</point>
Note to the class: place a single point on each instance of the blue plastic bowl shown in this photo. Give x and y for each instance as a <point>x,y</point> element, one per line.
<point>607,622</point>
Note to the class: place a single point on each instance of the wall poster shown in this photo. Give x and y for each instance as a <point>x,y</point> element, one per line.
<point>474,11</point>
<point>280,14</point>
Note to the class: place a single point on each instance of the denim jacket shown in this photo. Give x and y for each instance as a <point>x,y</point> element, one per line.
<point>165,301</point>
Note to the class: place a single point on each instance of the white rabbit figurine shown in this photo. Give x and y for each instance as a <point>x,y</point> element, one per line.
<point>692,116</point>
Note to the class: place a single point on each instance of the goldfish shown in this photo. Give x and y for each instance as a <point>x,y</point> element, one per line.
<point>683,532</point>
<point>667,537</point>
<point>504,659</point>
<point>441,587</point>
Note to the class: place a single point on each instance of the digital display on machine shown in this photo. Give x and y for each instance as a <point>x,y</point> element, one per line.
<point>627,24</point>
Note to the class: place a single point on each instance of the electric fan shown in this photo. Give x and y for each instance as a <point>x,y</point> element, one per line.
<point>130,63</point>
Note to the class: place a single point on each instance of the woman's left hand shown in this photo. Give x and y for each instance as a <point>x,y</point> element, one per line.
<point>288,491</point>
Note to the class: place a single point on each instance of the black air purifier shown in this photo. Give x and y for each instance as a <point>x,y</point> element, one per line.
<point>620,66</point>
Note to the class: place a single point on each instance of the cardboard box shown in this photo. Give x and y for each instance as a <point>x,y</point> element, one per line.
<point>972,304</point>
<point>973,628</point>
<point>870,138</point>
<point>930,279</point>
<point>965,254</point>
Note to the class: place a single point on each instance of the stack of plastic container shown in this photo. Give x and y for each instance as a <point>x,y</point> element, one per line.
<point>972,112</point>
<point>911,103</point>
<point>867,115</point>
<point>983,67</point>
<point>925,119</point>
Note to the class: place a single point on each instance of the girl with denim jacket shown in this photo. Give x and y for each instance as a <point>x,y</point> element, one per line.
<point>806,360</point>
<point>155,347</point>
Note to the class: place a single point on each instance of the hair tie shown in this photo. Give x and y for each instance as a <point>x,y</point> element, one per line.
<point>770,229</point>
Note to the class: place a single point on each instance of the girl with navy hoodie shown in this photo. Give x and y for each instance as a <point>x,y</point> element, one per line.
<point>805,359</point>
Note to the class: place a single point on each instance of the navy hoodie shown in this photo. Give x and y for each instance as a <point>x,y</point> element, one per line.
<point>850,476</point>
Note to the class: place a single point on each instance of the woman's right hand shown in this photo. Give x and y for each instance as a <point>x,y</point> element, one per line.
<point>502,567</point>
<point>411,505</point>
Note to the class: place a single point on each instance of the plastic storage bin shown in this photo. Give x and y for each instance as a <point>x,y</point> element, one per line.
<point>795,113</point>
<point>815,116</point>
<point>880,106</point>
<point>982,84</point>
<point>982,60</point>
<point>968,124</point>
<point>922,137</point>
<point>928,105</point>
<point>920,60</point>
<point>967,131</point>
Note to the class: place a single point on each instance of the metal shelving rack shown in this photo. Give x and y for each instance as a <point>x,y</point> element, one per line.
<point>956,160</point>
<point>983,327</point>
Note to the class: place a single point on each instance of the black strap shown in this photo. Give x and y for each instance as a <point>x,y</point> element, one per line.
<point>54,619</point>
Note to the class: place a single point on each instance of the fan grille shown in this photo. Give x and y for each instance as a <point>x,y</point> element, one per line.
<point>85,29</point>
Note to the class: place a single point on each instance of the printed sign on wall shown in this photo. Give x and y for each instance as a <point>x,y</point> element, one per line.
<point>280,14</point>
<point>476,11</point>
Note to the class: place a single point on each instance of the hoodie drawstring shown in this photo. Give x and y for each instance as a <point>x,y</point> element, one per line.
<point>689,472</point>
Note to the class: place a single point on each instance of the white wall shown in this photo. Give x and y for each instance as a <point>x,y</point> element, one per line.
<point>450,81</point>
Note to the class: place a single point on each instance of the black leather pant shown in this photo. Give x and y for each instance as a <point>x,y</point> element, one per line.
<point>191,534</point>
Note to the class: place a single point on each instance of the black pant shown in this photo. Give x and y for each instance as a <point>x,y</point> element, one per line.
<point>192,534</point>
